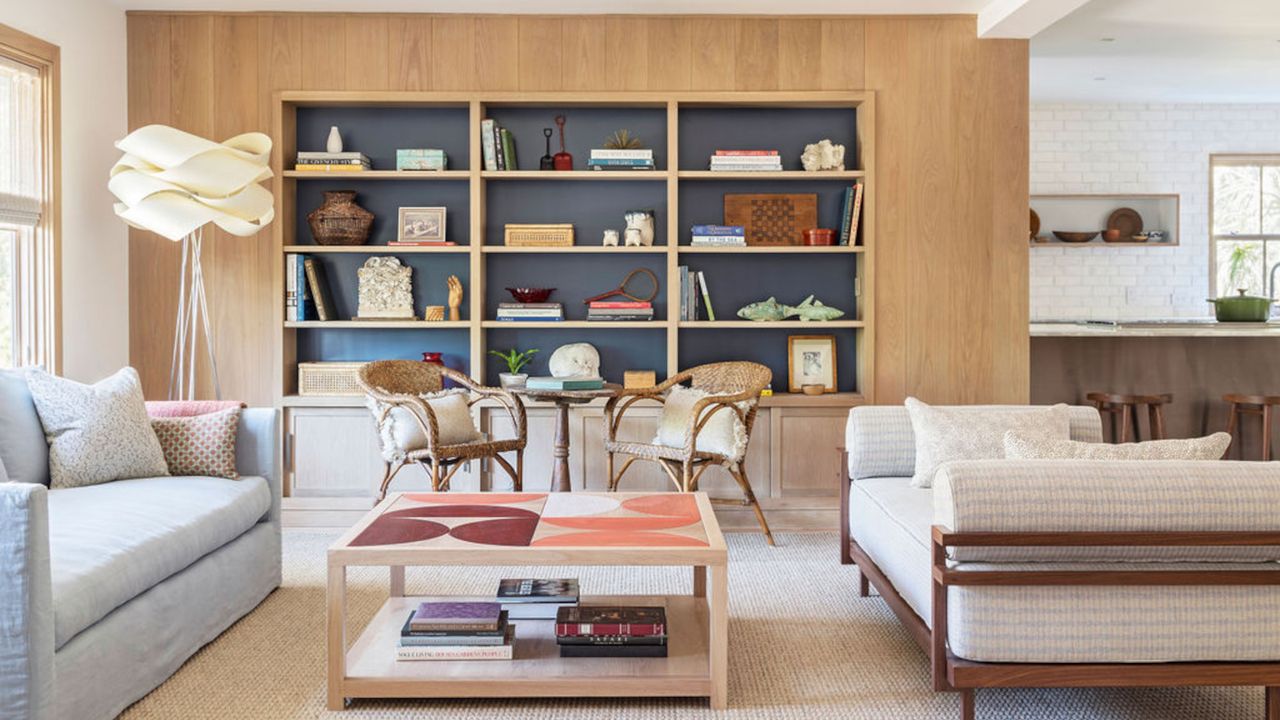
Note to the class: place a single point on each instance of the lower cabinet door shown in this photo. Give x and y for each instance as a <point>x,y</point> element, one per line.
<point>332,452</point>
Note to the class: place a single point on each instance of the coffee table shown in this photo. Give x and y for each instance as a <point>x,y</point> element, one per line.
<point>534,529</point>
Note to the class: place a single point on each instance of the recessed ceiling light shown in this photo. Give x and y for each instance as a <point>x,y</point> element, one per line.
<point>1099,78</point>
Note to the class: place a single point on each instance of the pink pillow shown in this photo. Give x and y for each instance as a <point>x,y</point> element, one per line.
<point>203,445</point>
<point>189,408</point>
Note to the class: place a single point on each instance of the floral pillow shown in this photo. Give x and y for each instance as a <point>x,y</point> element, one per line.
<point>203,445</point>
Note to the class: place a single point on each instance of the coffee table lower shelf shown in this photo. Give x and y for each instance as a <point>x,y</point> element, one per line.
<point>537,670</point>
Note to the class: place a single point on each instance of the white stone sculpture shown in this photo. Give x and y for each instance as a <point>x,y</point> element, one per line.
<point>641,221</point>
<point>386,290</point>
<point>610,238</point>
<point>822,155</point>
<point>575,360</point>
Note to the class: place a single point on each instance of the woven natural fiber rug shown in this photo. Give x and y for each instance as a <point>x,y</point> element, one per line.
<point>802,645</point>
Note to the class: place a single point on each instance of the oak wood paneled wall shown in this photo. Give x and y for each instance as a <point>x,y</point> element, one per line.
<point>952,152</point>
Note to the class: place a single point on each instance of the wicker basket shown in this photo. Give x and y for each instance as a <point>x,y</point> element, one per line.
<point>340,221</point>
<point>538,235</point>
<point>329,378</point>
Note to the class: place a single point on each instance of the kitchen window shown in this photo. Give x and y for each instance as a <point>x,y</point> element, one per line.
<point>1244,218</point>
<point>28,203</point>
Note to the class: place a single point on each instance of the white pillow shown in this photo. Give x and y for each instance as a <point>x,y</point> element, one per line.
<point>724,434</point>
<point>1019,446</point>
<point>944,434</point>
<point>401,433</point>
<point>96,433</point>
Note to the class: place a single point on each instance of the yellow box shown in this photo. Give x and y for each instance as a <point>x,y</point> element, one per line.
<point>632,379</point>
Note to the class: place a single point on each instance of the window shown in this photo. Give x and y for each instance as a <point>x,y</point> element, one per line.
<point>1244,214</point>
<point>28,207</point>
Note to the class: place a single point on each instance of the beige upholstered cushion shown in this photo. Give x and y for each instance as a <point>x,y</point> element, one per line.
<point>200,445</point>
<point>97,433</point>
<point>944,434</point>
<point>723,434</point>
<point>1021,446</point>
<point>401,432</point>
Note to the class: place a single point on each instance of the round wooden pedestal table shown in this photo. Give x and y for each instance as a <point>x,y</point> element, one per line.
<point>563,399</point>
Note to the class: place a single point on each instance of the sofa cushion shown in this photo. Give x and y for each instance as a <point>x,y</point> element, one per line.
<point>891,521</point>
<point>110,542</point>
<point>22,445</point>
<point>945,434</point>
<point>1020,446</point>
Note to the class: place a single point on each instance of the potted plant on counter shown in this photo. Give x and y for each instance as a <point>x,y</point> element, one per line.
<point>516,361</point>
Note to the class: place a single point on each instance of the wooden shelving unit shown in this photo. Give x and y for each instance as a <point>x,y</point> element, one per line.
<point>1084,211</point>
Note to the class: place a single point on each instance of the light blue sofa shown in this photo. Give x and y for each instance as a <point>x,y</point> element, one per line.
<point>108,589</point>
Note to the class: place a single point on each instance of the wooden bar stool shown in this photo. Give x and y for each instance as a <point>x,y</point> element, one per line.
<point>1242,405</point>
<point>1125,408</point>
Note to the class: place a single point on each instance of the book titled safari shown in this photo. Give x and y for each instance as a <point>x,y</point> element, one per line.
<point>610,620</point>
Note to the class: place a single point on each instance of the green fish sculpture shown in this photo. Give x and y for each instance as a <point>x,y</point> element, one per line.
<point>771,310</point>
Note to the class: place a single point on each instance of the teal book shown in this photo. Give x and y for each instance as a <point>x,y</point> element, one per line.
<point>565,383</point>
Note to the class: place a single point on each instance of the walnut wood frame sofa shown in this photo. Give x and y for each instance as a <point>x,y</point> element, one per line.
<point>1069,573</point>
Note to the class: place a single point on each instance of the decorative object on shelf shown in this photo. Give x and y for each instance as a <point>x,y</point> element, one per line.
<point>421,159</point>
<point>432,357</point>
<point>531,294</point>
<point>819,237</point>
<point>1111,235</point>
<point>1126,220</point>
<point>772,219</point>
<point>575,360</point>
<point>339,220</point>
<point>813,389</point>
<point>1075,237</point>
<point>434,313</point>
<point>174,183</point>
<point>1242,307</point>
<point>334,143</point>
<point>1035,225</point>
<point>622,140</point>
<point>632,237</point>
<point>421,224</point>
<point>640,285</point>
<point>1140,237</point>
<point>329,378</point>
<point>822,155</point>
<point>770,310</point>
<point>516,361</point>
<point>546,162</point>
<point>811,360</point>
<point>385,290</point>
<point>610,238</point>
<point>562,160</point>
<point>538,235</point>
<point>1154,236</point>
<point>642,220</point>
<point>455,298</point>
<point>632,379</point>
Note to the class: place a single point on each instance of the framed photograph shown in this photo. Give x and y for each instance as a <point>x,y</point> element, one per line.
<point>811,360</point>
<point>421,224</point>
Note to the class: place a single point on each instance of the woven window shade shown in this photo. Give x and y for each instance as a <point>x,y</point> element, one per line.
<point>21,169</point>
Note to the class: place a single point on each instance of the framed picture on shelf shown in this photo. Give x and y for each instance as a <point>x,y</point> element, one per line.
<point>811,360</point>
<point>421,224</point>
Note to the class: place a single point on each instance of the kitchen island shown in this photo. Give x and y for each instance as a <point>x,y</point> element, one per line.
<point>1198,361</point>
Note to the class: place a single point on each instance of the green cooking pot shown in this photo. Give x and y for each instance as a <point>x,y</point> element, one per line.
<point>1242,308</point>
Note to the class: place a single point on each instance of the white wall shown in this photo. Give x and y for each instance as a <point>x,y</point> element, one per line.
<point>95,270</point>
<point>1087,148</point>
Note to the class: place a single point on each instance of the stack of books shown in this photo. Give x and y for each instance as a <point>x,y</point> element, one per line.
<point>333,162</point>
<point>746,161</point>
<point>850,209</point>
<point>605,159</point>
<point>718,236</point>
<point>612,631</point>
<point>306,294</point>
<point>693,287</point>
<point>565,383</point>
<point>499,146</point>
<point>623,310</point>
<point>528,599</point>
<point>530,312</point>
<point>421,159</point>
<point>456,631</point>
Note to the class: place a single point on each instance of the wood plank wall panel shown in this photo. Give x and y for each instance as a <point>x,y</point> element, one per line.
<point>951,302</point>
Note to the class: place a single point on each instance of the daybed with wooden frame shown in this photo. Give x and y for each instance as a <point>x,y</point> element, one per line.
<point>1069,573</point>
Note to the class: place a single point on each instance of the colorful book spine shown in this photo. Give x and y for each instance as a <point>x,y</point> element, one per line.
<point>488,144</point>
<point>717,241</point>
<point>746,153</point>
<point>319,289</point>
<point>454,652</point>
<point>530,318</point>
<point>620,162</point>
<point>573,629</point>
<point>321,161</point>
<point>508,150</point>
<point>611,154</point>
<point>735,230</point>
<point>300,279</point>
<point>846,206</point>
<point>706,295</point>
<point>331,168</point>
<point>497,147</point>
<point>684,278</point>
<point>857,212</point>
<point>291,287</point>
<point>612,304</point>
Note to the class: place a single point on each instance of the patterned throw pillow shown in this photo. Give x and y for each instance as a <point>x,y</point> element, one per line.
<point>96,433</point>
<point>1019,446</point>
<point>203,445</point>
<point>944,434</point>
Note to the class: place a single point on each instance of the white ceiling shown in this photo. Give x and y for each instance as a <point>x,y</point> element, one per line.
<point>577,7</point>
<point>1208,51</point>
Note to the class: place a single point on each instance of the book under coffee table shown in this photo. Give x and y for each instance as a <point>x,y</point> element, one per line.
<point>535,529</point>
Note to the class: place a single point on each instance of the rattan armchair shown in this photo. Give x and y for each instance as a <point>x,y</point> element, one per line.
<point>401,384</point>
<point>729,385</point>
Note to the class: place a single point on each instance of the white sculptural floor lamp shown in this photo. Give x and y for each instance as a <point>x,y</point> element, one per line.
<point>174,183</point>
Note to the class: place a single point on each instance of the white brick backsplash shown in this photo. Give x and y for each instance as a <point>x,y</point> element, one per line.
<point>1135,148</point>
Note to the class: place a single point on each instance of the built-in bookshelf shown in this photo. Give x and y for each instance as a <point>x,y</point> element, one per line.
<point>683,129</point>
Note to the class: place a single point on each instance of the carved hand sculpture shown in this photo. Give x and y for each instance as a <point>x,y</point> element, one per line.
<point>455,298</point>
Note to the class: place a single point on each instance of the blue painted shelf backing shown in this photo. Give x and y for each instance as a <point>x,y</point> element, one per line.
<point>379,131</point>
<point>702,202</point>
<point>585,128</point>
<point>703,130</point>
<point>620,350</point>
<point>767,347</point>
<point>363,345</point>
<point>430,273</point>
<point>384,199</point>
<point>735,280</point>
<point>591,206</point>
<point>575,277</point>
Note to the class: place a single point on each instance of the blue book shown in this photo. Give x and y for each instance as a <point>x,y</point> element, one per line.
<point>628,162</point>
<point>526,318</point>
<point>304,293</point>
<point>565,383</point>
<point>844,216</point>
<point>731,230</point>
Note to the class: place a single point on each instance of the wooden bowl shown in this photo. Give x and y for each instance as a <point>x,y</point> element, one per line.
<point>531,295</point>
<point>1075,237</point>
<point>813,389</point>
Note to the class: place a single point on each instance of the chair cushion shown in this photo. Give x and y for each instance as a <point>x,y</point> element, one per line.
<point>110,542</point>
<point>22,445</point>
<point>401,433</point>
<point>723,434</point>
<point>1020,446</point>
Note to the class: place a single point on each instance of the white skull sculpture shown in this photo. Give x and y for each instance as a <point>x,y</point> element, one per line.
<point>575,360</point>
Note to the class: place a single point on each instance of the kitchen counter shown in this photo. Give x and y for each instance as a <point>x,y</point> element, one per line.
<point>1191,327</point>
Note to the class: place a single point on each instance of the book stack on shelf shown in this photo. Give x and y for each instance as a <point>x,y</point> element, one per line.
<point>590,631</point>
<point>850,209</point>
<point>693,288</point>
<point>333,162</point>
<point>530,312</point>
<point>456,631</point>
<point>627,310</point>
<point>306,295</point>
<point>498,146</point>
<point>718,236</point>
<point>746,161</point>
<point>609,159</point>
<point>565,383</point>
<point>417,159</point>
<point>530,599</point>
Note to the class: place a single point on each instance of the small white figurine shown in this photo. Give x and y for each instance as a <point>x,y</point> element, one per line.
<point>633,237</point>
<point>822,155</point>
<point>610,238</point>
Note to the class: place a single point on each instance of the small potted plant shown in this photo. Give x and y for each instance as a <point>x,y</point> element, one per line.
<point>516,361</point>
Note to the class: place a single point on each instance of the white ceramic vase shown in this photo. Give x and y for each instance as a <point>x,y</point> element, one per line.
<point>510,381</point>
<point>334,143</point>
